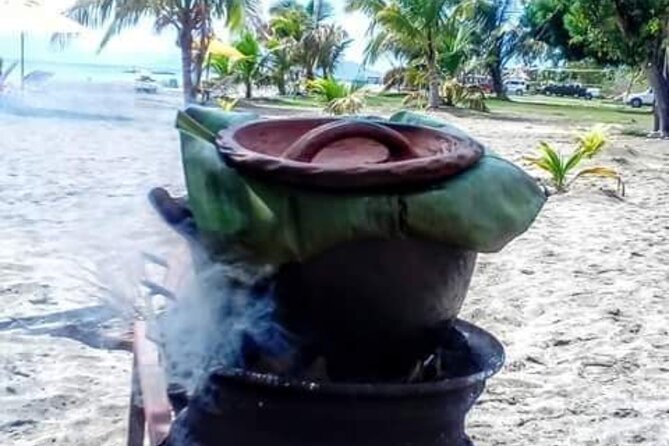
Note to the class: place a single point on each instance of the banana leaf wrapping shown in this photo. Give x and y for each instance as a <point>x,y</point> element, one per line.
<point>265,222</point>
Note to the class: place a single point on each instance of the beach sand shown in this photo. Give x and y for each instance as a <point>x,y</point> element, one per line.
<point>579,301</point>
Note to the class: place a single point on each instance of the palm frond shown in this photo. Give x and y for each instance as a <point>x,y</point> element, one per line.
<point>602,172</point>
<point>592,142</point>
<point>338,97</point>
<point>227,104</point>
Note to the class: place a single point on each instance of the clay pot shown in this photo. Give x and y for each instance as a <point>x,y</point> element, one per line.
<point>345,154</point>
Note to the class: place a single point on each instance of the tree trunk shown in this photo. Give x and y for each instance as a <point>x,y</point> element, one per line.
<point>186,44</point>
<point>310,73</point>
<point>249,88</point>
<point>660,83</point>
<point>495,71</point>
<point>281,84</point>
<point>434,99</point>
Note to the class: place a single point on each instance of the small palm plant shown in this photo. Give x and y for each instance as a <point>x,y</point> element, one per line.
<point>227,104</point>
<point>417,99</point>
<point>454,93</point>
<point>559,166</point>
<point>338,97</point>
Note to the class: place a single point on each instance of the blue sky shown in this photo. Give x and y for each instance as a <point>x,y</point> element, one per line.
<point>138,45</point>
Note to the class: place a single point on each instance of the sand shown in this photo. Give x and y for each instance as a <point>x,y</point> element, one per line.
<point>579,301</point>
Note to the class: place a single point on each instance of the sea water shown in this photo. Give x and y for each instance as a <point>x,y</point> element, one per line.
<point>64,72</point>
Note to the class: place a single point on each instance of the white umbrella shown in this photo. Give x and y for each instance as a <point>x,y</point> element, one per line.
<point>28,17</point>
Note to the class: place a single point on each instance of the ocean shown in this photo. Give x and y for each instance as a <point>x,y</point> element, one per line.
<point>97,73</point>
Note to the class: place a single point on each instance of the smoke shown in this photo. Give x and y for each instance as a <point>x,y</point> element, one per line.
<point>220,315</point>
<point>218,320</point>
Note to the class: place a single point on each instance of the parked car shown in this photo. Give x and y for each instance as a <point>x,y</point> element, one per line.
<point>515,86</point>
<point>146,84</point>
<point>593,93</point>
<point>572,90</point>
<point>636,100</point>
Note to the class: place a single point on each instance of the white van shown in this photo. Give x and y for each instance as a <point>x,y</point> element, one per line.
<point>515,86</point>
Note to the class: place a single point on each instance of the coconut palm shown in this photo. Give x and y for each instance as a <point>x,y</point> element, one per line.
<point>414,28</point>
<point>317,10</point>
<point>456,46</point>
<point>305,37</point>
<point>331,41</point>
<point>191,19</point>
<point>499,38</point>
<point>248,69</point>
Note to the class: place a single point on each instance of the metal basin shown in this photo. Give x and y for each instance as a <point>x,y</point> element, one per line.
<point>247,409</point>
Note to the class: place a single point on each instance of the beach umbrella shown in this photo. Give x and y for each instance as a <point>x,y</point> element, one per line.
<point>218,48</point>
<point>31,17</point>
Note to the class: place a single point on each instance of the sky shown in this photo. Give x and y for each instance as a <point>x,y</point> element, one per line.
<point>141,44</point>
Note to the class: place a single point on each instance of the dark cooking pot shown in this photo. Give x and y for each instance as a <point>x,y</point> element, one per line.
<point>373,304</point>
<point>240,408</point>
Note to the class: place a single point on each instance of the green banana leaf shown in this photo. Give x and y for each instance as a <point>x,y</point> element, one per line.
<point>263,222</point>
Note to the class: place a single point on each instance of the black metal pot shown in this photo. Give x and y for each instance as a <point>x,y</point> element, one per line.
<point>373,305</point>
<point>240,408</point>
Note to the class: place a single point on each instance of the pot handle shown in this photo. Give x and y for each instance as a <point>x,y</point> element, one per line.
<point>311,143</point>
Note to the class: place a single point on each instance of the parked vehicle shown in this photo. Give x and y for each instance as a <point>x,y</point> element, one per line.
<point>571,90</point>
<point>146,84</point>
<point>593,93</point>
<point>636,100</point>
<point>515,86</point>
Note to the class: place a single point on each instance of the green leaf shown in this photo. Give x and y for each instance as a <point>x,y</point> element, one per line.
<point>189,125</point>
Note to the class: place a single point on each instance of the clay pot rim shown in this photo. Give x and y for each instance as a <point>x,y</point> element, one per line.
<point>388,390</point>
<point>407,173</point>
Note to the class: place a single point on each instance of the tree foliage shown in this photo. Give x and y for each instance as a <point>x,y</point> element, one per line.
<point>300,36</point>
<point>419,31</point>
<point>191,19</point>
<point>498,38</point>
<point>248,69</point>
<point>629,32</point>
<point>338,97</point>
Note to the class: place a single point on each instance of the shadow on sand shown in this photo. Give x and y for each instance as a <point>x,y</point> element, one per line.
<point>96,326</point>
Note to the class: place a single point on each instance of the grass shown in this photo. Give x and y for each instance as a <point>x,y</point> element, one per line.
<point>577,110</point>
<point>537,107</point>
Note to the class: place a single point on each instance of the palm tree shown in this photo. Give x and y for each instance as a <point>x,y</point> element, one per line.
<point>456,46</point>
<point>499,38</point>
<point>249,67</point>
<point>287,28</point>
<point>413,28</point>
<point>312,43</point>
<point>332,42</point>
<point>191,19</point>
<point>317,10</point>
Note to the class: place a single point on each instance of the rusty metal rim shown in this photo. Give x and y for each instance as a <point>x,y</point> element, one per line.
<point>382,390</point>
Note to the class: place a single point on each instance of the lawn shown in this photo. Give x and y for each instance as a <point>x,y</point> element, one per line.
<point>578,110</point>
<point>526,107</point>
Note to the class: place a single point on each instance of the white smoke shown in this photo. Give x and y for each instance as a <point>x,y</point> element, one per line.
<point>213,320</point>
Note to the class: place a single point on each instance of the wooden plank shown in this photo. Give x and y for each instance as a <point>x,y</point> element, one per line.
<point>153,386</point>
<point>136,419</point>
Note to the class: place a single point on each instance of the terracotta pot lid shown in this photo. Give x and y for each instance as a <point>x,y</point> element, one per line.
<point>345,154</point>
